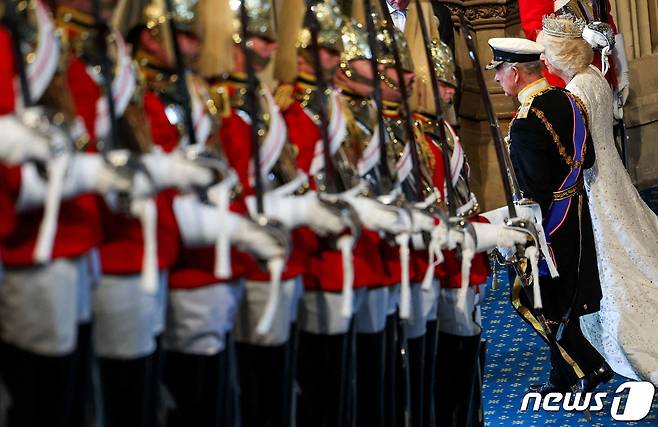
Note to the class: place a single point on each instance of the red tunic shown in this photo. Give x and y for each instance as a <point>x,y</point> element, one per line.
<point>195,266</point>
<point>9,176</point>
<point>79,227</point>
<point>123,249</point>
<point>235,135</point>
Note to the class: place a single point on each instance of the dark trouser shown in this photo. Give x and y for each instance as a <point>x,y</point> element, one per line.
<point>580,350</point>
<point>198,385</point>
<point>578,357</point>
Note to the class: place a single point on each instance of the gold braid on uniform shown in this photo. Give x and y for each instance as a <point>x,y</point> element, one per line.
<point>574,164</point>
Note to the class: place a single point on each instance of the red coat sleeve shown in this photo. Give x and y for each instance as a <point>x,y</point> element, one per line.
<point>7,94</point>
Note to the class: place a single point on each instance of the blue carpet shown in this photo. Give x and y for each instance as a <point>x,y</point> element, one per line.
<point>516,358</point>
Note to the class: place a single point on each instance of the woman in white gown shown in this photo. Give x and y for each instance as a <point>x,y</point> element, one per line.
<point>625,330</point>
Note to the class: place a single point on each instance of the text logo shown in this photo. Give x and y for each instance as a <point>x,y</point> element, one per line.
<point>638,397</point>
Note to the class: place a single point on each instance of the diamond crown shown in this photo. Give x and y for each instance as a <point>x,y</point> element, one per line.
<point>564,26</point>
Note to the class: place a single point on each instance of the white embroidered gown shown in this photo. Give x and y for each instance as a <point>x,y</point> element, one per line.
<point>625,330</point>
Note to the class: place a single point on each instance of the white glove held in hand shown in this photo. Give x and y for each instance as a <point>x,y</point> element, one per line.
<point>200,226</point>
<point>295,211</point>
<point>490,236</point>
<point>86,173</point>
<point>170,170</point>
<point>20,143</point>
<point>421,221</point>
<point>374,215</point>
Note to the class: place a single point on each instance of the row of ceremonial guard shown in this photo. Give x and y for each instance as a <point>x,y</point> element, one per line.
<point>182,247</point>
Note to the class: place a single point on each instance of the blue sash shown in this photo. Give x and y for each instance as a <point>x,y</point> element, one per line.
<point>559,209</point>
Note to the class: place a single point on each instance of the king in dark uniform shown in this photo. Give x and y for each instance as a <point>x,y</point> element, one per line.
<point>550,147</point>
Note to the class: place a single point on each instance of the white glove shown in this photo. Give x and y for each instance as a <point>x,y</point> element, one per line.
<point>170,170</point>
<point>490,236</point>
<point>455,237</point>
<point>623,81</point>
<point>527,211</point>
<point>421,221</point>
<point>20,143</point>
<point>86,173</point>
<point>200,226</point>
<point>375,215</point>
<point>295,211</point>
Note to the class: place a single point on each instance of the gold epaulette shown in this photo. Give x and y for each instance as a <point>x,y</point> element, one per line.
<point>525,108</point>
<point>284,95</point>
<point>219,101</point>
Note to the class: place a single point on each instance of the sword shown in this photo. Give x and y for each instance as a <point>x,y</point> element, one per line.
<point>386,176</point>
<point>450,189</point>
<point>331,183</point>
<point>253,106</point>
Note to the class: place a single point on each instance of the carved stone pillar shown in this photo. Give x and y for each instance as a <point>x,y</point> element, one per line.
<point>489,18</point>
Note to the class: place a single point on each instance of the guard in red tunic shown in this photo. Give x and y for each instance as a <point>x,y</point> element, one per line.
<point>52,225</point>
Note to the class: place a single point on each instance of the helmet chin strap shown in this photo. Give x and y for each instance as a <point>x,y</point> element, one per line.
<point>353,75</point>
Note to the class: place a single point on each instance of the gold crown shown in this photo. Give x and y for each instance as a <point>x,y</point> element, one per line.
<point>385,44</point>
<point>355,42</point>
<point>259,16</point>
<point>330,21</point>
<point>444,63</point>
<point>564,26</point>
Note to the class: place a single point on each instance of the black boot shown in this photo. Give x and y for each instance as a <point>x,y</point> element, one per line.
<point>322,377</point>
<point>370,379</point>
<point>198,387</point>
<point>262,384</point>
<point>416,375</point>
<point>456,371</point>
<point>390,372</point>
<point>431,339</point>
<point>41,388</point>
<point>83,389</point>
<point>125,387</point>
